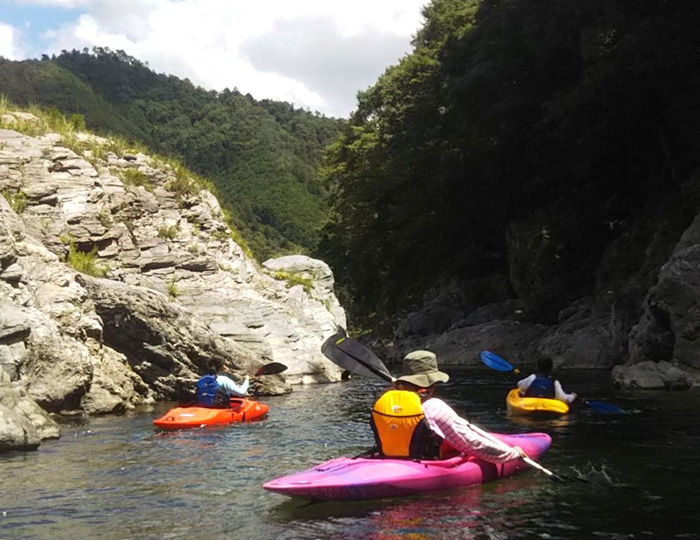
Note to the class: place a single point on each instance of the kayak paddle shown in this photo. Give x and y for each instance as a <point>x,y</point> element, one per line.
<point>355,357</point>
<point>498,363</point>
<point>352,356</point>
<point>270,369</point>
<point>494,361</point>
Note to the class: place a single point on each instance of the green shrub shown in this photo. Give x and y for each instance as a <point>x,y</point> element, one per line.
<point>183,184</point>
<point>17,201</point>
<point>134,177</point>
<point>85,262</point>
<point>173,291</point>
<point>221,235</point>
<point>168,232</point>
<point>294,279</point>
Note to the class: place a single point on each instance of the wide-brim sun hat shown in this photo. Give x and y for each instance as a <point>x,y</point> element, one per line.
<point>421,369</point>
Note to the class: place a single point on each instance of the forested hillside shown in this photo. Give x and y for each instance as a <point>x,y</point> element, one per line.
<point>263,156</point>
<point>527,149</point>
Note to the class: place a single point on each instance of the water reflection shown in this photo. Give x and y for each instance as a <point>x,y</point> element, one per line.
<point>475,512</point>
<point>558,424</point>
<point>119,478</point>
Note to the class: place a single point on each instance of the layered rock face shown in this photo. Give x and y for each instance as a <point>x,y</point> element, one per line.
<point>120,282</point>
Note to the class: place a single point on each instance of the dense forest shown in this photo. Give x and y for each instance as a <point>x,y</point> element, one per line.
<point>527,149</point>
<point>524,149</point>
<point>263,156</point>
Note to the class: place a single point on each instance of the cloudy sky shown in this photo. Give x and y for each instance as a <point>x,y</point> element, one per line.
<point>316,54</point>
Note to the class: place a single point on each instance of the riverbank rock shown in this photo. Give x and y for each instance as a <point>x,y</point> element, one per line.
<point>641,318</point>
<point>670,324</point>
<point>23,424</point>
<point>120,281</point>
<point>461,345</point>
<point>650,374</point>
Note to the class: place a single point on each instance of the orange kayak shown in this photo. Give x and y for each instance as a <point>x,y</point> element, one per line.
<point>241,410</point>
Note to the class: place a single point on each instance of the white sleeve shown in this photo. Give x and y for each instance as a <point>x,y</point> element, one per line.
<point>561,395</point>
<point>231,387</point>
<point>524,384</point>
<point>459,434</point>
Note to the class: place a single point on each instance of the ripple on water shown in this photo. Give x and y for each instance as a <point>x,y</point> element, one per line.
<point>119,478</point>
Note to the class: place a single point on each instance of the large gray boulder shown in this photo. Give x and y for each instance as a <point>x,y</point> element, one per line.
<point>23,424</point>
<point>120,280</point>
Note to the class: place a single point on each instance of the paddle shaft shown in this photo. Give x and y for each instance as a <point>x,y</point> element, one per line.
<point>503,445</point>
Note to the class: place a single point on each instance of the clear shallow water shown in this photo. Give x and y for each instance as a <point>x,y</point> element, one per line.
<point>119,477</point>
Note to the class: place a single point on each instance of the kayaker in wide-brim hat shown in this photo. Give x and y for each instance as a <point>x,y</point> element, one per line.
<point>420,368</point>
<point>408,422</point>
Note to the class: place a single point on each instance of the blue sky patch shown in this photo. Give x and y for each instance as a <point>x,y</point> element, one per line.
<point>33,21</point>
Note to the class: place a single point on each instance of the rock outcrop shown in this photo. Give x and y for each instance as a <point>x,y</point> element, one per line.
<point>120,280</point>
<point>656,345</point>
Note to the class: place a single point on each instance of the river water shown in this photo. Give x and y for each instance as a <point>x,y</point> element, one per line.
<point>118,477</point>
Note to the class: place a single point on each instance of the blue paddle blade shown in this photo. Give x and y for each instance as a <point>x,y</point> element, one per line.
<point>602,407</point>
<point>494,361</point>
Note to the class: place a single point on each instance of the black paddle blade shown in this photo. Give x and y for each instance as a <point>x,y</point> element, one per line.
<point>271,369</point>
<point>355,357</point>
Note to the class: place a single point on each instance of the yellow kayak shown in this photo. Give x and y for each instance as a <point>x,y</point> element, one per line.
<point>519,405</point>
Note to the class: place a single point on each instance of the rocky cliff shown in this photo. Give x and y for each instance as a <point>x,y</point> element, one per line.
<point>652,343</point>
<point>120,280</point>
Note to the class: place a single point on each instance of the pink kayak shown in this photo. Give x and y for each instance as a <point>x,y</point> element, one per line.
<point>346,479</point>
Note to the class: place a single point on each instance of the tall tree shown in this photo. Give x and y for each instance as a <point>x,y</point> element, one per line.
<point>516,142</point>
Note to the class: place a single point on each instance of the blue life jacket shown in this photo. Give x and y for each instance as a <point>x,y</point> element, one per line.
<point>542,386</point>
<point>207,389</point>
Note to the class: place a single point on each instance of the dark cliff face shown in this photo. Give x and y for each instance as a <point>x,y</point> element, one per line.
<point>521,153</point>
<point>641,319</point>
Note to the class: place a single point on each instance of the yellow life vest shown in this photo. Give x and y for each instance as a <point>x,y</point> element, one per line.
<point>400,427</point>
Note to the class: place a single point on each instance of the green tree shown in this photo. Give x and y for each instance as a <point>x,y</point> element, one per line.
<point>510,118</point>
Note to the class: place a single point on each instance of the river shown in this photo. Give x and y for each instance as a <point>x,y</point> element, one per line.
<point>118,477</point>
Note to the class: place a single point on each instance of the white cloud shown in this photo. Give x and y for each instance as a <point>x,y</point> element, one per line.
<point>316,54</point>
<point>8,42</point>
<point>58,3</point>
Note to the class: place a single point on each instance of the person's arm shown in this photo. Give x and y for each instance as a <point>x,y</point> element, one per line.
<point>231,387</point>
<point>459,434</point>
<point>524,384</point>
<point>561,395</point>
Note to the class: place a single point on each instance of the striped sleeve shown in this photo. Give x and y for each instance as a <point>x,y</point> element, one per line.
<point>459,434</point>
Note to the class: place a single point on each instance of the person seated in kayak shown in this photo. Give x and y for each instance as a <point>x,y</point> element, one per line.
<point>408,422</point>
<point>541,384</point>
<point>215,390</point>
